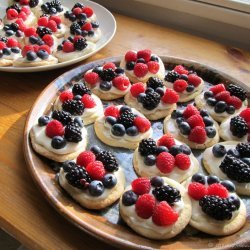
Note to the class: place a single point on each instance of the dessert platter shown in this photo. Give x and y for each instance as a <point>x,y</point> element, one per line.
<point>116,149</point>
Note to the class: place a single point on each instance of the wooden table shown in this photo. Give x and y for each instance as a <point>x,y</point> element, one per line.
<point>24,212</point>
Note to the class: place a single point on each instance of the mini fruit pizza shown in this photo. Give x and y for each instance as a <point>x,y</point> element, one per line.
<point>223,101</point>
<point>142,64</point>
<point>108,81</point>
<point>34,5</point>
<point>230,160</point>
<point>157,208</point>
<point>153,99</point>
<point>216,208</point>
<point>186,83</point>
<point>95,179</point>
<point>193,127</point>
<point>122,126</point>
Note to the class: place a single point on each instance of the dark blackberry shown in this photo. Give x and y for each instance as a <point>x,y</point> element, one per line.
<point>14,6</point>
<point>167,193</point>
<point>235,169</point>
<point>151,100</point>
<point>73,132</point>
<point>33,3</point>
<point>126,119</point>
<point>74,27</point>
<point>108,75</point>
<point>237,91</point>
<point>3,39</point>
<point>109,161</point>
<point>55,4</point>
<point>217,208</point>
<point>80,89</point>
<point>74,107</point>
<point>154,83</point>
<point>244,149</point>
<point>147,147</point>
<point>41,31</point>
<point>14,27</point>
<point>80,44</point>
<point>62,116</point>
<point>238,126</point>
<point>171,76</point>
<point>78,5</point>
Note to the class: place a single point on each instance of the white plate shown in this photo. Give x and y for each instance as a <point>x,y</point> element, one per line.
<point>107,26</point>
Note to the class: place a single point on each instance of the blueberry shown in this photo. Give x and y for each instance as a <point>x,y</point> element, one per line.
<point>130,65</point>
<point>6,27</point>
<point>140,97</point>
<point>33,39</point>
<point>160,91</point>
<point>125,108</point>
<point>208,94</point>
<point>175,150</point>
<point>95,149</point>
<point>234,152</point>
<point>190,88</point>
<point>235,200</point>
<point>72,17</point>
<point>77,32</point>
<point>220,107</point>
<point>119,70</point>
<point>230,109</point>
<point>106,86</point>
<point>140,60</point>
<point>111,120</point>
<point>150,160</point>
<point>6,51</point>
<point>83,17</point>
<point>58,142</point>
<point>185,149</point>
<point>67,165</point>
<point>228,185</point>
<point>43,120</point>
<point>132,131</point>
<point>219,150</point>
<point>43,54</point>
<point>203,112</point>
<point>52,11</point>
<point>156,181</point>
<point>176,113</point>
<point>96,188</point>
<point>179,120</point>
<point>78,120</point>
<point>184,77</point>
<point>59,8</point>
<point>84,33</point>
<point>31,56</point>
<point>129,198</point>
<point>40,42</point>
<point>97,70</point>
<point>154,58</point>
<point>149,90</point>
<point>118,130</point>
<point>15,50</point>
<point>19,33</point>
<point>77,97</point>
<point>161,149</point>
<point>208,121</point>
<point>59,47</point>
<point>9,33</point>
<point>184,128</point>
<point>246,160</point>
<point>91,33</point>
<point>109,180</point>
<point>66,14</point>
<point>210,131</point>
<point>212,179</point>
<point>198,178</point>
<point>71,39</point>
<point>211,101</point>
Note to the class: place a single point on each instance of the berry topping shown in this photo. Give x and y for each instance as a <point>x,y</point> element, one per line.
<point>150,160</point>
<point>73,132</point>
<point>145,205</point>
<point>244,149</point>
<point>107,75</point>
<point>219,150</point>
<point>43,120</point>
<point>66,95</point>
<point>74,107</point>
<point>194,80</point>
<point>222,96</point>
<point>145,54</point>
<point>237,91</point>
<point>96,188</point>
<point>140,69</point>
<point>180,70</point>
<point>121,82</point>
<point>195,120</point>
<point>167,193</point>
<point>96,170</point>
<point>91,78</point>
<point>137,88</point>
<point>12,14</point>
<point>12,42</point>
<point>62,116</point>
<point>153,67</point>
<point>88,101</point>
<point>198,177</point>
<point>68,47</point>
<point>238,126</point>
<point>218,190</point>
<point>131,56</point>
<point>129,198</point>
<point>165,162</point>
<point>151,100</point>
<point>109,161</point>
<point>48,39</point>
<point>189,111</point>
<point>54,128</point>
<point>109,181</point>
<point>170,96</point>
<point>154,83</point>
<point>143,124</point>
<point>198,135</point>
<point>126,119</point>
<point>197,190</point>
<point>166,140</point>
<point>88,11</point>
<point>157,181</point>
<point>217,88</point>
<point>228,185</point>
<point>112,111</point>
<point>147,147</point>
<point>109,65</point>
<point>182,161</point>
<point>171,76</point>
<point>180,85</point>
<point>80,43</point>
<point>118,130</point>
<point>87,26</point>
<point>84,158</point>
<point>80,89</point>
<point>52,25</point>
<point>245,114</point>
<point>141,185</point>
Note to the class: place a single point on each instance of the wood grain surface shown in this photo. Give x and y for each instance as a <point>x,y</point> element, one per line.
<point>24,212</point>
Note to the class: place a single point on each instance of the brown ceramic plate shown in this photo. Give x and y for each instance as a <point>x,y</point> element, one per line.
<point>107,225</point>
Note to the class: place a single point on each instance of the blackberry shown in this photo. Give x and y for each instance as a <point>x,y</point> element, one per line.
<point>154,83</point>
<point>55,4</point>
<point>237,91</point>
<point>62,116</point>
<point>171,76</point>
<point>235,169</point>
<point>78,5</point>
<point>80,89</point>
<point>73,132</point>
<point>126,119</point>
<point>15,7</point>
<point>33,3</point>
<point>147,147</point>
<point>238,126</point>
<point>14,27</point>
<point>74,27</point>
<point>108,75</point>
<point>151,100</point>
<point>41,31</point>
<point>109,161</point>
<point>167,193</point>
<point>244,149</point>
<point>3,39</point>
<point>80,44</point>
<point>74,107</point>
<point>217,208</point>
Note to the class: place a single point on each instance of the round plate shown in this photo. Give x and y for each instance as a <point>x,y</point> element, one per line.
<point>106,224</point>
<point>107,26</point>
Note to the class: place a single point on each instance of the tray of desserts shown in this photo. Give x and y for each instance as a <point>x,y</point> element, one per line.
<point>134,151</point>
<point>39,35</point>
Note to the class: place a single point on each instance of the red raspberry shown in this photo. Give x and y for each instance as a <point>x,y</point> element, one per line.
<point>121,82</point>
<point>145,205</point>
<point>223,96</point>
<point>36,48</point>
<point>170,96</point>
<point>235,101</point>
<point>2,45</point>
<point>180,70</point>
<point>45,47</point>
<point>27,48</point>
<point>141,185</point>
<point>143,124</point>
<point>12,42</point>
<point>48,39</point>
<point>194,80</point>
<point>21,24</point>
<point>218,88</point>
<point>22,15</point>
<point>180,85</point>
<point>165,162</point>
<point>54,128</point>
<point>153,67</point>
<point>24,2</point>
<point>30,32</point>
<point>196,120</point>
<point>52,25</point>
<point>88,101</point>
<point>130,56</point>
<point>145,54</point>
<point>197,190</point>
<point>84,158</point>
<point>112,111</point>
<point>87,27</point>
<point>96,170</point>
<point>109,65</point>
<point>91,78</point>
<point>245,114</point>
<point>88,11</point>
<point>76,38</point>
<point>68,47</point>
<point>198,135</point>
<point>43,21</point>
<point>190,110</point>
<point>182,161</point>
<point>66,95</point>
<point>57,19</point>
<point>140,69</point>
<point>77,11</point>
<point>164,214</point>
<point>166,140</point>
<point>137,88</point>
<point>12,14</point>
<point>217,189</point>
<point>26,10</point>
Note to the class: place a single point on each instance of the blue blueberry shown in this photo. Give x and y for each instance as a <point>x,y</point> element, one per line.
<point>208,94</point>
<point>160,91</point>
<point>78,120</point>
<point>58,142</point>
<point>43,120</point>
<point>154,58</point>
<point>95,25</point>
<point>150,160</point>
<point>184,77</point>
<point>78,32</point>
<point>141,97</point>
<point>235,201</point>
<point>132,131</point>
<point>9,33</point>
<point>156,181</point>
<point>219,150</point>
<point>176,114</point>
<point>149,90</point>
<point>130,65</point>
<point>84,33</point>
<point>33,39</point>
<point>59,47</point>
<point>185,129</point>
<point>210,131</point>
<point>204,113</point>
<point>124,108</point>
<point>6,27</point>
<point>67,165</point>
<point>77,97</point>
<point>118,129</point>
<point>212,179</point>
<point>190,88</point>
<point>220,107</point>
<point>140,60</point>
<point>83,17</point>
<point>72,17</point>
<point>175,150</point>
<point>95,149</point>
<point>230,109</point>
<point>228,185</point>
<point>91,33</point>
<point>119,70</point>
<point>31,56</point>
<point>234,152</point>
<point>198,178</point>
<point>185,149</point>
<point>43,54</point>
<point>15,50</point>
<point>129,198</point>
<point>106,86</point>
<point>19,33</point>
<point>208,121</point>
<point>96,188</point>
<point>179,120</point>
<point>109,180</point>
<point>211,101</point>
<point>6,51</point>
<point>161,149</point>
<point>110,120</point>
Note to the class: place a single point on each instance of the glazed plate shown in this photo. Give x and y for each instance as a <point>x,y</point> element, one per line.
<point>107,224</point>
<point>107,26</point>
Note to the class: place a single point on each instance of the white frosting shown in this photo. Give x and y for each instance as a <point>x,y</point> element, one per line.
<point>12,56</point>
<point>61,32</point>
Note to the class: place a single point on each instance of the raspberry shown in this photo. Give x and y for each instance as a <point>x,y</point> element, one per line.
<point>54,128</point>
<point>77,38</point>
<point>190,110</point>
<point>96,170</point>
<point>180,85</point>
<point>170,96</point>
<point>30,32</point>
<point>194,80</point>
<point>180,70</point>
<point>165,162</point>
<point>91,78</point>
<point>48,39</point>
<point>137,88</point>
<point>197,190</point>
<point>52,25</point>
<point>112,111</point>
<point>12,42</point>
<point>43,21</point>
<point>109,65</point>
<point>77,11</point>
<point>141,185</point>
<point>196,120</point>
<point>21,24</point>
<point>12,14</point>
<point>26,10</point>
<point>217,88</point>
<point>27,48</point>
<point>87,27</point>
<point>145,54</point>
<point>2,45</point>
<point>235,101</point>
<point>68,47</point>
<point>121,82</point>
<point>182,161</point>
<point>143,124</point>
<point>88,101</point>
<point>66,95</point>
<point>88,11</point>
<point>164,214</point>
<point>45,47</point>
<point>153,67</point>
<point>217,189</point>
<point>245,114</point>
<point>140,69</point>
<point>223,96</point>
<point>84,158</point>
<point>145,205</point>
<point>166,140</point>
<point>57,19</point>
<point>36,48</point>
<point>130,56</point>
<point>22,15</point>
<point>198,135</point>
<point>24,2</point>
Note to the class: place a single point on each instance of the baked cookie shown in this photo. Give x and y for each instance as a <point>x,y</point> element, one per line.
<point>230,160</point>
<point>108,81</point>
<point>193,127</point>
<point>93,180</point>
<point>222,101</point>
<point>153,99</point>
<point>157,208</point>
<point>122,126</point>
<point>236,128</point>
<point>186,83</point>
<point>165,157</point>
<point>79,101</point>
<point>216,208</point>
<point>140,65</point>
<point>60,138</point>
